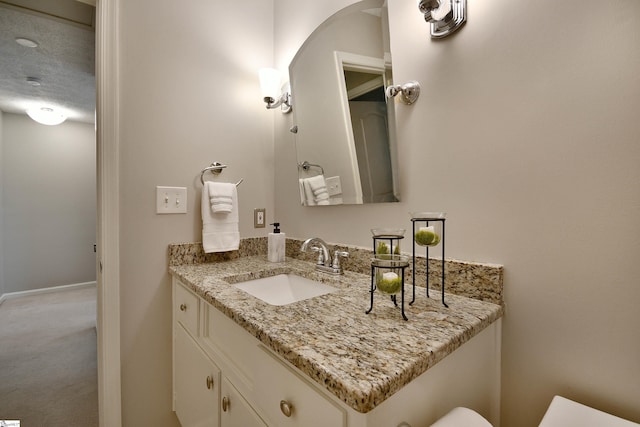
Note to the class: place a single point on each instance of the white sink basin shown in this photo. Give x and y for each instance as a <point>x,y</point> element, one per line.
<point>285,289</point>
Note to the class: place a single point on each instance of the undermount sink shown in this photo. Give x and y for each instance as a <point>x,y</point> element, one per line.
<point>284,289</point>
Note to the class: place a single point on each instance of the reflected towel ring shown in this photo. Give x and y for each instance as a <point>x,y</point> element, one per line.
<point>216,169</point>
<point>306,166</point>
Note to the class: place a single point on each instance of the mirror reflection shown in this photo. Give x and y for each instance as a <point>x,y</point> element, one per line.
<point>345,140</point>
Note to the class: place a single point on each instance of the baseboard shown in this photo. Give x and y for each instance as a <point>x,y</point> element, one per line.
<point>12,295</point>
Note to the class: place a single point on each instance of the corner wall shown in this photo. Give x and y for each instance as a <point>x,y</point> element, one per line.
<point>526,134</point>
<point>49,203</point>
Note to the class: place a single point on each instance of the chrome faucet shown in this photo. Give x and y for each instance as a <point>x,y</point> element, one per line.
<point>324,262</point>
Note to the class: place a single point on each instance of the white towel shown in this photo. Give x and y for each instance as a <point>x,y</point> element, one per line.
<point>220,232</point>
<point>221,196</point>
<point>315,191</point>
<point>303,196</point>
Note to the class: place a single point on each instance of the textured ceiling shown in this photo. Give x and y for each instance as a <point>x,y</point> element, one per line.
<point>64,61</point>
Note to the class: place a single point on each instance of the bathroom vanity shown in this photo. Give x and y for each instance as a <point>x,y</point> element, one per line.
<point>239,361</point>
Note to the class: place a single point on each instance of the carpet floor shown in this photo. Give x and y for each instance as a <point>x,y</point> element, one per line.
<point>48,359</point>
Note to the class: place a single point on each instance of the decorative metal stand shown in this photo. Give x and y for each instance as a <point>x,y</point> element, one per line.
<point>389,263</point>
<point>427,217</point>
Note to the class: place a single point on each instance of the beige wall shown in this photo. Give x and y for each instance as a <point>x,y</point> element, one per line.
<point>189,95</point>
<point>1,207</point>
<point>529,112</point>
<point>49,203</point>
<point>526,134</point>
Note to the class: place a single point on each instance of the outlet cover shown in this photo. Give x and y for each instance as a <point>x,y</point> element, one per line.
<point>171,200</point>
<point>259,218</point>
<point>334,185</point>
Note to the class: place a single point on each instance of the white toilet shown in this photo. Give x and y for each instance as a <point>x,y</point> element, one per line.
<point>561,413</point>
<point>567,413</point>
<point>462,417</point>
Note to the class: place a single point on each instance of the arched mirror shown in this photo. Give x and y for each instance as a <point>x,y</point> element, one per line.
<point>343,123</point>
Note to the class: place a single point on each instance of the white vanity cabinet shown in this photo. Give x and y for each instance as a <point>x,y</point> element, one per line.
<point>202,395</point>
<point>252,386</point>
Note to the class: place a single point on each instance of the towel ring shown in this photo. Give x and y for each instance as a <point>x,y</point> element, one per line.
<point>216,169</point>
<point>306,166</point>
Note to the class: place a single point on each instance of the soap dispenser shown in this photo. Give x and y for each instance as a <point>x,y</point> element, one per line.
<point>276,244</point>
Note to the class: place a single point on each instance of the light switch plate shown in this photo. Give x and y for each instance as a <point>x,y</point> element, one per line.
<point>171,200</point>
<point>259,218</point>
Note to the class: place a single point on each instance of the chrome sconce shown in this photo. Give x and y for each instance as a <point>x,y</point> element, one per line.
<point>272,92</point>
<point>409,92</point>
<point>445,16</point>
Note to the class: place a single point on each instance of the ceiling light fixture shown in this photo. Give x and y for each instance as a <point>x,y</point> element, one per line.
<point>34,81</point>
<point>46,116</point>
<point>22,41</point>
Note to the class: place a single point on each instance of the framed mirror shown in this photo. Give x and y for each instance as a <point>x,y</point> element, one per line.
<point>345,133</point>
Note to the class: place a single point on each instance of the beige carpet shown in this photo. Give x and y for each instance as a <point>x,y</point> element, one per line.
<point>48,359</point>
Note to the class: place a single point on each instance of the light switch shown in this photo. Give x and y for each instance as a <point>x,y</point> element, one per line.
<point>171,200</point>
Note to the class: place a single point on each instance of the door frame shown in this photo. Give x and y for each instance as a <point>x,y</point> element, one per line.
<point>108,230</point>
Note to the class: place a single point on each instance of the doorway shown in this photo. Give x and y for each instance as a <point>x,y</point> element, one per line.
<point>38,190</point>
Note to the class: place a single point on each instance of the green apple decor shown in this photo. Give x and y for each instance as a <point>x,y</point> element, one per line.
<point>389,282</point>
<point>427,236</point>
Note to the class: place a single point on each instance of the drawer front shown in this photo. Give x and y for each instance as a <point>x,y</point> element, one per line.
<point>185,308</point>
<point>280,390</point>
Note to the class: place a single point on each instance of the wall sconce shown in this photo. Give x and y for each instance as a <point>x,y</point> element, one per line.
<point>409,92</point>
<point>272,92</point>
<point>445,16</point>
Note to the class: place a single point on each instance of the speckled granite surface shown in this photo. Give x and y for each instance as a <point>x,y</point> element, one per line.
<point>474,280</point>
<point>362,359</point>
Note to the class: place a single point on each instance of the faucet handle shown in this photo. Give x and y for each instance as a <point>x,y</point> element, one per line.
<point>320,260</point>
<point>336,259</point>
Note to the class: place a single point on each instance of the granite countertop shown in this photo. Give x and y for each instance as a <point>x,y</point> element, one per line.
<point>361,358</point>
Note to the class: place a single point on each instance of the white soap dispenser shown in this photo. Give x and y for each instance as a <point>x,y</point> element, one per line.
<point>276,244</point>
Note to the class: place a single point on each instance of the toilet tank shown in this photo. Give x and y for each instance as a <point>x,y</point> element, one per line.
<point>566,413</point>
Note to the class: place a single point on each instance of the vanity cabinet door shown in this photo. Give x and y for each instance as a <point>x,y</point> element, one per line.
<point>196,383</point>
<point>287,400</point>
<point>236,412</point>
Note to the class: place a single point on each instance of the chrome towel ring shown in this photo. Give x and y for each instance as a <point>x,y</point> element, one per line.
<point>216,169</point>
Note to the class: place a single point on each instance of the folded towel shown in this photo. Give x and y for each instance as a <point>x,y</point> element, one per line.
<point>220,232</point>
<point>221,196</point>
<point>303,197</point>
<point>315,191</point>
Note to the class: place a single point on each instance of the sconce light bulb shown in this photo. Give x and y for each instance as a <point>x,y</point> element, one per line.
<point>269,82</point>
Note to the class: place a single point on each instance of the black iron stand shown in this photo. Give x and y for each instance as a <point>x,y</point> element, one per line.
<point>413,273</point>
<point>398,266</point>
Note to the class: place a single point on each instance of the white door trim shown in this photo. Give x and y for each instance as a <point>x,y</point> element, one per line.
<point>108,274</point>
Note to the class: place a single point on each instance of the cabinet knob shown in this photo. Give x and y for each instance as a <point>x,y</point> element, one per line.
<point>210,382</point>
<point>226,404</point>
<point>183,307</point>
<point>286,408</point>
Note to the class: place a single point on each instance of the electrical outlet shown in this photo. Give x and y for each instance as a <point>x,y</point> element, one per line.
<point>171,200</point>
<point>334,185</point>
<point>259,217</point>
